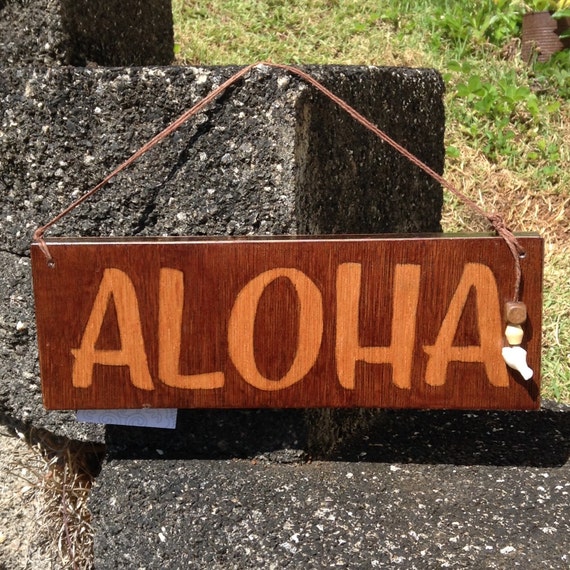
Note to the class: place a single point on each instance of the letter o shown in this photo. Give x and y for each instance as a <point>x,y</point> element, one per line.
<point>242,324</point>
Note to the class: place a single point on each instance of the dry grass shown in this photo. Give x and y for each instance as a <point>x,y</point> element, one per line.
<point>47,483</point>
<point>19,544</point>
<point>230,32</point>
<point>498,189</point>
<point>64,519</point>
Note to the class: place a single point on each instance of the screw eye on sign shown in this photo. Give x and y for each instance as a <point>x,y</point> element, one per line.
<point>382,321</point>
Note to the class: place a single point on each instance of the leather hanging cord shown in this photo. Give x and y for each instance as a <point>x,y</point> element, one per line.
<point>495,220</point>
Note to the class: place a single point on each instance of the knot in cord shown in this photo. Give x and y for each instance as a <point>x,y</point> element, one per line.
<point>513,244</point>
<point>498,223</point>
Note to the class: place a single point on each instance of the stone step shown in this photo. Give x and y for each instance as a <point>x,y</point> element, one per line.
<point>429,489</point>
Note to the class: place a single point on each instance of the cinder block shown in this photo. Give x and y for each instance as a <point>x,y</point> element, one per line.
<point>81,32</point>
<point>118,32</point>
<point>271,156</point>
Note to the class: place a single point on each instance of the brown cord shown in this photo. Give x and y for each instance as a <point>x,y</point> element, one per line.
<point>495,220</point>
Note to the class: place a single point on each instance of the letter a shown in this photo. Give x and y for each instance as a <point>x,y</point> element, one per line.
<point>399,354</point>
<point>115,284</point>
<point>488,352</point>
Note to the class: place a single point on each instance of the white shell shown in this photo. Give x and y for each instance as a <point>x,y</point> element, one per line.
<point>515,357</point>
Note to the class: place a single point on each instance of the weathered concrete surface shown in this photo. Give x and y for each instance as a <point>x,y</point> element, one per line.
<point>416,490</point>
<point>31,32</point>
<point>118,32</point>
<point>77,32</point>
<point>270,157</point>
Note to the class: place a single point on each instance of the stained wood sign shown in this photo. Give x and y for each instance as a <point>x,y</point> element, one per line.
<point>383,321</point>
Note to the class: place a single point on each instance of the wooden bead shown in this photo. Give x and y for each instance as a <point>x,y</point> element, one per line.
<point>514,334</point>
<point>515,312</point>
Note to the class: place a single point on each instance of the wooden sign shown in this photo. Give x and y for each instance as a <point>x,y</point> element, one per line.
<point>378,321</point>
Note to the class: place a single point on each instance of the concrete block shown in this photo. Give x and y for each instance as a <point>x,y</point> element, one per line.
<point>271,156</point>
<point>118,32</point>
<point>81,32</point>
<point>399,497</point>
<point>31,32</point>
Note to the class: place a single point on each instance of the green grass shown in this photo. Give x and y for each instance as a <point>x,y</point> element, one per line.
<point>556,330</point>
<point>508,123</point>
<point>293,32</point>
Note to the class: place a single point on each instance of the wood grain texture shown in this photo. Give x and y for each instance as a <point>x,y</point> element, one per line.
<point>369,321</point>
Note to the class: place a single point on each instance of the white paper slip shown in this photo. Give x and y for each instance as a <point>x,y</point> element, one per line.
<point>147,417</point>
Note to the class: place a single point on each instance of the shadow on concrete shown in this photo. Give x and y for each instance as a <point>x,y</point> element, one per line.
<point>536,439</point>
<point>215,434</point>
<point>503,438</point>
